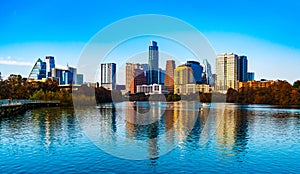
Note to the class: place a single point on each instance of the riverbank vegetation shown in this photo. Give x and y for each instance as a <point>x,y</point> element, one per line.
<point>279,93</point>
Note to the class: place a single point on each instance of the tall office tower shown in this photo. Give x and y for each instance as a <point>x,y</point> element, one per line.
<point>153,75</point>
<point>226,72</point>
<point>250,76</point>
<point>242,69</point>
<point>108,75</point>
<point>74,74</point>
<point>38,71</point>
<point>197,71</point>
<point>130,67</point>
<point>169,76</point>
<point>50,63</point>
<point>208,73</point>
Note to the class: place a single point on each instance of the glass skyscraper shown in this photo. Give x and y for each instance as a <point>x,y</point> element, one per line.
<point>197,71</point>
<point>50,63</point>
<point>153,75</point>
<point>38,71</point>
<point>242,69</point>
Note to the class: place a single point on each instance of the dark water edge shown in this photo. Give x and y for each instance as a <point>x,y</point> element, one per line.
<point>250,138</point>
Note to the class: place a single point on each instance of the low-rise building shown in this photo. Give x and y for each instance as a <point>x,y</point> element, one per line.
<point>152,89</point>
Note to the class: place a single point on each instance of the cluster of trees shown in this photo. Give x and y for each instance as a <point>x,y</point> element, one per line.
<point>279,93</point>
<point>16,87</point>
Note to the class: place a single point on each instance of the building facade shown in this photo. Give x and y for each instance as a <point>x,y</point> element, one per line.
<point>153,75</point>
<point>208,73</point>
<point>226,72</point>
<point>152,89</point>
<point>169,76</point>
<point>139,78</point>
<point>38,71</point>
<point>250,76</point>
<point>50,63</point>
<point>197,71</point>
<point>108,75</point>
<point>242,69</point>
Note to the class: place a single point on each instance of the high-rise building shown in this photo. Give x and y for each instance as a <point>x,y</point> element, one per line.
<point>153,75</point>
<point>242,69</point>
<point>226,72</point>
<point>108,75</point>
<point>169,76</point>
<point>38,71</point>
<point>250,76</point>
<point>63,76</point>
<point>79,79</point>
<point>50,63</point>
<point>74,74</point>
<point>197,71</point>
<point>207,73</point>
<point>139,78</point>
<point>161,76</point>
<point>130,67</point>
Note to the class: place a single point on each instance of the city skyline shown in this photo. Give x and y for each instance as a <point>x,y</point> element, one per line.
<point>264,36</point>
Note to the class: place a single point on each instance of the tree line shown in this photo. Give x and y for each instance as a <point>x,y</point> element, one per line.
<point>279,93</point>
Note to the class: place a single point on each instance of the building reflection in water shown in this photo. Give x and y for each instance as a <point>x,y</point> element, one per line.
<point>231,131</point>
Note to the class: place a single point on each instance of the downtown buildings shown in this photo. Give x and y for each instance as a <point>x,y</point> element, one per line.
<point>230,70</point>
<point>46,69</point>
<point>108,75</point>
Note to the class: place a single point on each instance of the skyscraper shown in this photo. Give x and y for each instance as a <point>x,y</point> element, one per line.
<point>50,63</point>
<point>197,71</point>
<point>130,67</point>
<point>226,72</point>
<point>242,69</point>
<point>139,78</point>
<point>169,76</point>
<point>153,76</point>
<point>108,75</point>
<point>38,71</point>
<point>208,73</point>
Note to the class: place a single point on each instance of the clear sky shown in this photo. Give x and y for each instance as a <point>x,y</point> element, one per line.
<point>265,31</point>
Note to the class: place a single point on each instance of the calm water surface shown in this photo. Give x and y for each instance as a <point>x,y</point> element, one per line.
<point>173,138</point>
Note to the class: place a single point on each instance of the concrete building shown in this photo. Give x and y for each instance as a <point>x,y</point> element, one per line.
<point>256,84</point>
<point>226,72</point>
<point>79,79</point>
<point>169,76</point>
<point>108,75</point>
<point>186,89</point>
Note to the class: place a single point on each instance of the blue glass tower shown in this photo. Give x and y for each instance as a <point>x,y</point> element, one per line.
<point>197,71</point>
<point>242,69</point>
<point>153,74</point>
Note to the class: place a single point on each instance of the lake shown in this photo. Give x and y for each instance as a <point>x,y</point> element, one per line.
<point>152,137</point>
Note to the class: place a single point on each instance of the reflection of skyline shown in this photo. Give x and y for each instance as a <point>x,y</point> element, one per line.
<point>231,131</point>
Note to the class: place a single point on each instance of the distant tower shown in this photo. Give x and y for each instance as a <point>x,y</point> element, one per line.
<point>108,75</point>
<point>207,72</point>
<point>169,76</point>
<point>50,63</point>
<point>38,71</point>
<point>242,69</point>
<point>226,72</point>
<point>153,76</point>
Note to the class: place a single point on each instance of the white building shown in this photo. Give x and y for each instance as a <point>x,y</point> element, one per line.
<point>108,75</point>
<point>226,72</point>
<point>152,89</point>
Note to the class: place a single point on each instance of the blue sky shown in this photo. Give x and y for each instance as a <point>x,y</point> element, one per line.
<point>267,32</point>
